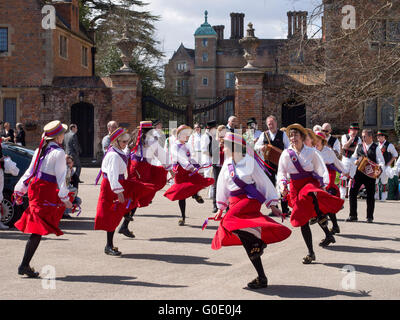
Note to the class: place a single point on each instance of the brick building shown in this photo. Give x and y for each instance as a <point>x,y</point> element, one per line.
<point>47,73</point>
<point>215,68</point>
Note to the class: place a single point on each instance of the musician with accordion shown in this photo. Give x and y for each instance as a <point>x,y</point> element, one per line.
<point>270,145</point>
<point>370,162</point>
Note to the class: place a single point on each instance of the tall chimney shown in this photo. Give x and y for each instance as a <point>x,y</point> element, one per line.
<point>237,25</point>
<point>220,31</point>
<point>290,24</point>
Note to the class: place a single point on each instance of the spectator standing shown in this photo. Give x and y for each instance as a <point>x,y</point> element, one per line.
<point>20,135</point>
<point>111,127</point>
<point>8,133</point>
<point>72,147</point>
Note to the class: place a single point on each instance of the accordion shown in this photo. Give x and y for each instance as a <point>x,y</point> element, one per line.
<point>369,168</point>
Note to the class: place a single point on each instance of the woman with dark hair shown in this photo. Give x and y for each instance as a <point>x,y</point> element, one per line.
<point>244,187</point>
<point>308,177</point>
<point>47,192</point>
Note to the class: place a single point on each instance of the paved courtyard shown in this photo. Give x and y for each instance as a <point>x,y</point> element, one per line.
<point>169,262</point>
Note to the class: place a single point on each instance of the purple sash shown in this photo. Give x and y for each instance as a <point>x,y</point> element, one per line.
<point>249,189</point>
<point>302,173</point>
<point>111,149</point>
<point>41,175</point>
<point>331,166</point>
<point>120,177</point>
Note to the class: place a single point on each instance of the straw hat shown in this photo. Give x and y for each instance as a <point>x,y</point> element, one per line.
<point>322,136</point>
<point>116,134</point>
<point>297,127</point>
<point>182,128</point>
<point>53,129</point>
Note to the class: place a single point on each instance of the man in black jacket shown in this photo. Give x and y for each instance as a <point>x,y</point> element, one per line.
<point>368,149</point>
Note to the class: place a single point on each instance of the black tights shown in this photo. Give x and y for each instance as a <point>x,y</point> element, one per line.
<point>110,237</point>
<point>127,219</point>
<point>319,214</point>
<point>30,249</point>
<point>307,236</point>
<point>182,206</point>
<point>248,240</point>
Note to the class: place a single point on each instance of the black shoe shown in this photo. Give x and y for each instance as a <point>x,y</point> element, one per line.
<point>81,181</point>
<point>215,210</point>
<point>258,283</point>
<point>369,220</point>
<point>335,230</point>
<point>66,216</point>
<point>198,198</point>
<point>309,258</point>
<point>126,232</point>
<point>327,241</point>
<point>351,219</point>
<point>112,251</point>
<point>30,272</point>
<point>181,222</point>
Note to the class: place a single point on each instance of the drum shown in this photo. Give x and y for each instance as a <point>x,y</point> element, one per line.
<point>369,168</point>
<point>272,154</point>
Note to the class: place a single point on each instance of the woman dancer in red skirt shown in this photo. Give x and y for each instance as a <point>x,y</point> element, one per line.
<point>116,193</point>
<point>244,187</point>
<point>47,192</point>
<point>334,165</point>
<point>188,182</point>
<point>142,170</point>
<point>308,176</point>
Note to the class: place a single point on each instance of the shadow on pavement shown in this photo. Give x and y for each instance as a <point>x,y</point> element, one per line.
<point>292,291</point>
<point>364,237</point>
<point>360,249</point>
<point>77,223</point>
<point>185,239</point>
<point>15,234</point>
<point>157,215</point>
<point>119,280</point>
<point>178,259</point>
<point>374,270</point>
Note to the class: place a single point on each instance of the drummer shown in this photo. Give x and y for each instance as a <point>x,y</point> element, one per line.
<point>278,139</point>
<point>389,154</point>
<point>368,149</point>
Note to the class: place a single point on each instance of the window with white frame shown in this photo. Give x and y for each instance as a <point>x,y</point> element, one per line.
<point>63,47</point>
<point>205,43</point>
<point>205,57</point>
<point>229,80</point>
<point>85,51</point>
<point>181,66</point>
<point>10,111</point>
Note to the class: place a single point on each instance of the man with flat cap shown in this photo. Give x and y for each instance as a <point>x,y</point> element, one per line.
<point>389,154</point>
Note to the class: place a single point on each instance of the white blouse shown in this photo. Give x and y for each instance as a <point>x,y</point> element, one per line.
<point>54,164</point>
<point>329,157</point>
<point>180,154</point>
<point>114,166</point>
<point>309,159</point>
<point>153,153</point>
<point>249,172</point>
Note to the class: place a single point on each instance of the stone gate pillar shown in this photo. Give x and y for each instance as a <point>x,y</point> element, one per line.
<point>249,97</point>
<point>126,99</point>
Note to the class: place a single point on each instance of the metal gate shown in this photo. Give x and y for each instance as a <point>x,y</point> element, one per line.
<point>219,110</point>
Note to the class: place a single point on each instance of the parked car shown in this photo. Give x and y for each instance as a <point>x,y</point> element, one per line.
<point>22,157</point>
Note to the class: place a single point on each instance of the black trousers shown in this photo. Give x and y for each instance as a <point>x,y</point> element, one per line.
<point>216,171</point>
<point>272,177</point>
<point>369,183</point>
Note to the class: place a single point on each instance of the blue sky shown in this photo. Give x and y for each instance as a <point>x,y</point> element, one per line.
<point>180,18</point>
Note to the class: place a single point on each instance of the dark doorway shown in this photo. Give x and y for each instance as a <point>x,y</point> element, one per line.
<point>82,114</point>
<point>293,112</point>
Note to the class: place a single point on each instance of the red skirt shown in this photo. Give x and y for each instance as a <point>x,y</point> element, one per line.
<point>45,209</point>
<point>109,211</point>
<point>187,185</point>
<point>332,188</point>
<point>245,213</point>
<point>148,180</point>
<point>302,202</point>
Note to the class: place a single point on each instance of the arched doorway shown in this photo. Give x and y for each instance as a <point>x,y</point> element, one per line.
<point>294,111</point>
<point>82,114</point>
